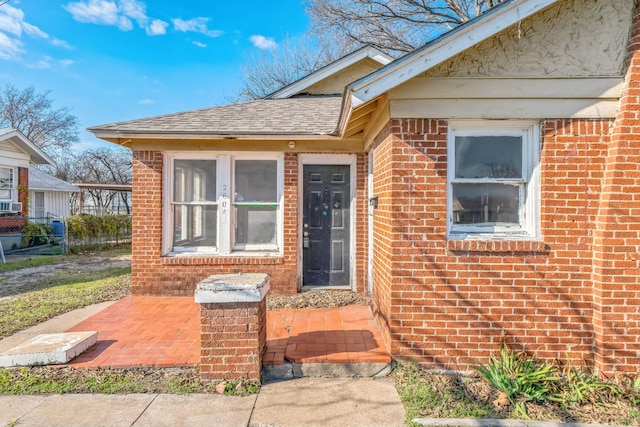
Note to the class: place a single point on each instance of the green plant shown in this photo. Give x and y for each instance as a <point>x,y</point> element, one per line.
<point>35,234</point>
<point>581,386</point>
<point>520,377</point>
<point>635,392</point>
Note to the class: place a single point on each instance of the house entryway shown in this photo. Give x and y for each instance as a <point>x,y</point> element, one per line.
<point>326,226</point>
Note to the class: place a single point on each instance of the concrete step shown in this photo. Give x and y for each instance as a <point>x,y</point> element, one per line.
<point>48,349</point>
<point>289,370</point>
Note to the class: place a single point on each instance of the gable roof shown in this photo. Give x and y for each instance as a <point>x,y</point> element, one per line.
<point>304,115</point>
<point>437,51</point>
<point>36,155</point>
<point>41,181</point>
<point>328,70</point>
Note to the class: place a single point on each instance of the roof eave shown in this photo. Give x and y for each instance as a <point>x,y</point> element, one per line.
<point>36,155</point>
<point>128,135</point>
<point>328,70</point>
<point>441,49</point>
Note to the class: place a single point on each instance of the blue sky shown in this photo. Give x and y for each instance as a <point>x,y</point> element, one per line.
<point>115,60</point>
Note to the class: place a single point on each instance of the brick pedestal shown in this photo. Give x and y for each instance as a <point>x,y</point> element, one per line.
<point>233,325</point>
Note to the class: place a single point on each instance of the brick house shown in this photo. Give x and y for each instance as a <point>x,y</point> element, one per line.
<point>484,187</point>
<point>17,152</point>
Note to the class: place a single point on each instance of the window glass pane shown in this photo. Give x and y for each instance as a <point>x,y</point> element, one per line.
<point>194,180</point>
<point>256,181</point>
<point>488,157</point>
<point>256,225</point>
<point>6,178</point>
<point>5,194</point>
<point>485,203</point>
<point>195,225</point>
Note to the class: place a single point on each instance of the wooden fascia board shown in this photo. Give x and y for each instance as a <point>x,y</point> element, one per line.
<point>378,121</point>
<point>347,145</point>
<point>410,66</point>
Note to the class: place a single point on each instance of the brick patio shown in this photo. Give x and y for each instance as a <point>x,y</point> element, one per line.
<point>145,331</point>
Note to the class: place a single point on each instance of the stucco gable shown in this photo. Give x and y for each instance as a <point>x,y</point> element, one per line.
<point>573,38</point>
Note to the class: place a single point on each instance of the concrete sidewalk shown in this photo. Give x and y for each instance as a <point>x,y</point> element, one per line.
<point>300,402</point>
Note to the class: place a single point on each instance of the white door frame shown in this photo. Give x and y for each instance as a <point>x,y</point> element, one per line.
<point>350,160</point>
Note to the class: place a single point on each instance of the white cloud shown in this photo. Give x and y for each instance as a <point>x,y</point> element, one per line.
<point>12,26</point>
<point>101,12</point>
<point>157,27</point>
<point>10,48</point>
<point>65,62</point>
<point>196,25</point>
<point>119,13</point>
<point>262,42</point>
<point>146,102</point>
<point>199,44</point>
<point>42,64</point>
<point>60,43</point>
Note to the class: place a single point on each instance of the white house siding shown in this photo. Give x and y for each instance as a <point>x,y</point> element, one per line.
<point>56,204</point>
<point>10,155</point>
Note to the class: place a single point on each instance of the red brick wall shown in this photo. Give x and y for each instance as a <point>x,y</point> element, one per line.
<point>450,303</point>
<point>23,190</point>
<point>616,269</point>
<point>153,274</point>
<point>233,339</point>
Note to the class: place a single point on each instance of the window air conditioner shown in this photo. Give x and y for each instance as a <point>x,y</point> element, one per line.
<point>10,207</point>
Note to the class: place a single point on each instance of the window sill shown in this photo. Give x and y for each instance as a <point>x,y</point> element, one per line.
<point>495,245</point>
<point>252,258</point>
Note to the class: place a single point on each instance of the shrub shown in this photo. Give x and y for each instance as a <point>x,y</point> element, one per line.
<point>35,234</point>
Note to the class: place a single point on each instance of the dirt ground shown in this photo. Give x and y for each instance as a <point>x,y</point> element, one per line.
<point>12,282</point>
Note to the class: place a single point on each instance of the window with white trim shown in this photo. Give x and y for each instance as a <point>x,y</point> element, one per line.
<point>223,204</point>
<point>7,184</point>
<point>493,179</point>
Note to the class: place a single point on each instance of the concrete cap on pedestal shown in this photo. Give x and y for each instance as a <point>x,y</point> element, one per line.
<point>230,288</point>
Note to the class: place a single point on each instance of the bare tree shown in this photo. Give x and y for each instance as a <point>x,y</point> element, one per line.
<point>341,26</point>
<point>270,70</point>
<point>100,166</point>
<point>54,130</point>
<point>393,26</point>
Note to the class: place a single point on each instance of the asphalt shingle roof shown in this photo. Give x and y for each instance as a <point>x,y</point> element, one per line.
<point>39,180</point>
<point>303,115</point>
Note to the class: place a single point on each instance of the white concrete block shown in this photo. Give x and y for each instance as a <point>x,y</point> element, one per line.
<point>49,349</point>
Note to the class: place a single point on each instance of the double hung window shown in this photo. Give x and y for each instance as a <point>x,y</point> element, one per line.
<point>492,177</point>
<point>7,184</point>
<point>223,204</point>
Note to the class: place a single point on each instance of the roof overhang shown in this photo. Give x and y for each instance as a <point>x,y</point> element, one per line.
<point>36,155</point>
<point>436,52</point>
<point>328,70</point>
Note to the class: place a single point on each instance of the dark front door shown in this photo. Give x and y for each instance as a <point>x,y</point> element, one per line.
<point>325,227</point>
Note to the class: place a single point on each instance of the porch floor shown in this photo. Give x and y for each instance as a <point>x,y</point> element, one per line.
<point>164,332</point>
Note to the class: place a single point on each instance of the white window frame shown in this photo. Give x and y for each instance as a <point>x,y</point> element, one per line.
<point>226,213</point>
<point>529,210</point>
<point>234,203</point>
<point>14,183</point>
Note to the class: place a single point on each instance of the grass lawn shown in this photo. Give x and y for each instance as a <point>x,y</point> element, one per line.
<point>61,294</point>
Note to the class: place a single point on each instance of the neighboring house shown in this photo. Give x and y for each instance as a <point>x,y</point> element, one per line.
<point>485,187</point>
<point>49,197</point>
<point>16,154</point>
